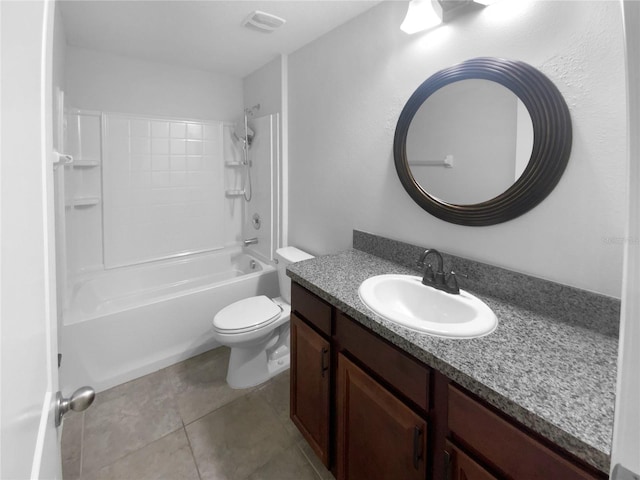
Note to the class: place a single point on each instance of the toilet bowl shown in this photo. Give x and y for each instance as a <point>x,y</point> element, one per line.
<point>257,329</point>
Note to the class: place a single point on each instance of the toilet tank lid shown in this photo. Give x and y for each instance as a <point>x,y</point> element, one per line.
<point>292,254</point>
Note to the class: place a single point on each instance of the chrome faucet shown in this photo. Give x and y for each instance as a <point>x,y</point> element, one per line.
<point>250,241</point>
<point>437,279</point>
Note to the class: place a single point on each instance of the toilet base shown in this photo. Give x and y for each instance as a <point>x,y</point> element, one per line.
<point>251,366</point>
<point>255,371</point>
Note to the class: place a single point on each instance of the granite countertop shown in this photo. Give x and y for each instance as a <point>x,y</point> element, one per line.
<point>557,378</point>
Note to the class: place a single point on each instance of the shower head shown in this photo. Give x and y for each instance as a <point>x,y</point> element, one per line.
<point>251,111</point>
<point>243,135</point>
<point>242,131</point>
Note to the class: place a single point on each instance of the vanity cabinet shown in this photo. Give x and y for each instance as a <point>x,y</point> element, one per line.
<point>311,370</point>
<point>361,403</point>
<point>373,412</point>
<point>502,445</point>
<point>378,436</point>
<point>310,363</point>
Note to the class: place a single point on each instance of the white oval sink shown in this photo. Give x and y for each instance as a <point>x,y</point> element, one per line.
<point>404,300</point>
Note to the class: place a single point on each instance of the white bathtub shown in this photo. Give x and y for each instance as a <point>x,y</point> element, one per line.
<point>124,323</point>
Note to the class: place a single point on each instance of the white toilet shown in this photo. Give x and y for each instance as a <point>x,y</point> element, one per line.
<point>257,329</point>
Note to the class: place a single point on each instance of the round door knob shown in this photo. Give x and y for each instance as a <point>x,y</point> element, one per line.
<point>79,401</point>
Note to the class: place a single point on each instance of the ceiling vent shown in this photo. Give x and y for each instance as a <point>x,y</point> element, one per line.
<point>263,22</point>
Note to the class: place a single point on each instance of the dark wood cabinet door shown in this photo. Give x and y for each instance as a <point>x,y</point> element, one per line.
<point>379,437</point>
<point>504,445</point>
<point>463,467</point>
<point>310,372</point>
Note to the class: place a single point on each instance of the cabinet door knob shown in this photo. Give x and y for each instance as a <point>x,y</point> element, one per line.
<point>417,446</point>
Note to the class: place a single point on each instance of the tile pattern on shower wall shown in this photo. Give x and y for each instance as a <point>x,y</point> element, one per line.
<point>163,188</point>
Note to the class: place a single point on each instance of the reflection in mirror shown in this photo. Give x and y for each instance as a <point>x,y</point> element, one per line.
<point>469,141</point>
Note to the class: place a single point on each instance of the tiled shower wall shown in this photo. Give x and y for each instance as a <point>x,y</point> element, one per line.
<point>163,186</point>
<point>143,188</point>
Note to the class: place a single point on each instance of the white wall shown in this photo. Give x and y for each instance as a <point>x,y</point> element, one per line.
<point>346,91</point>
<point>263,87</point>
<point>106,82</point>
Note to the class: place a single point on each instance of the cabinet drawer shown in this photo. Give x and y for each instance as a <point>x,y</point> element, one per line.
<point>405,374</point>
<point>503,445</point>
<point>311,308</point>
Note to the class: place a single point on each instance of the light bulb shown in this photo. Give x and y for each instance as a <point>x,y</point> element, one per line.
<point>421,16</point>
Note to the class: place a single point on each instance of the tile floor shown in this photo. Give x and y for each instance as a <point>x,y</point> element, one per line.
<point>184,422</point>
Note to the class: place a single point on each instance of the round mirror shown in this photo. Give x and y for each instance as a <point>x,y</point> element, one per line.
<point>469,142</point>
<point>482,142</point>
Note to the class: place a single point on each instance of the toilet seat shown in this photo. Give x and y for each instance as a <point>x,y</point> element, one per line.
<point>246,315</point>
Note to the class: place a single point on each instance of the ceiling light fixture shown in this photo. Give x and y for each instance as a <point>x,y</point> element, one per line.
<point>426,14</point>
<point>421,15</point>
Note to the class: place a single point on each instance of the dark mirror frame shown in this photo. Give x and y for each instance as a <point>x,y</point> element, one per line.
<point>552,136</point>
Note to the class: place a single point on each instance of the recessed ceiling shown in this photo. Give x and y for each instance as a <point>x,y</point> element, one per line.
<point>207,35</point>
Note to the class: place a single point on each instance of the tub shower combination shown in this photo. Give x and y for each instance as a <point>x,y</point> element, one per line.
<point>124,321</point>
<point>128,322</point>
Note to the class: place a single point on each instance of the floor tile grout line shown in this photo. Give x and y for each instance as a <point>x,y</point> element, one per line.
<point>294,443</point>
<point>128,454</point>
<point>216,409</point>
<point>193,455</point>
<point>281,452</point>
<point>256,392</point>
<point>277,416</point>
<point>283,422</point>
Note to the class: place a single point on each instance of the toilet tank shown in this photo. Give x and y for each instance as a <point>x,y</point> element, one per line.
<point>286,256</point>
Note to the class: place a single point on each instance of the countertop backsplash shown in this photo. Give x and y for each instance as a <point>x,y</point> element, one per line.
<point>564,303</point>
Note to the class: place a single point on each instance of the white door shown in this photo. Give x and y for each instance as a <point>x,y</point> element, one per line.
<point>626,432</point>
<point>29,444</point>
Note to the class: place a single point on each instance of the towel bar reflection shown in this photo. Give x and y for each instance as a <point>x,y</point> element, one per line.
<point>447,162</point>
